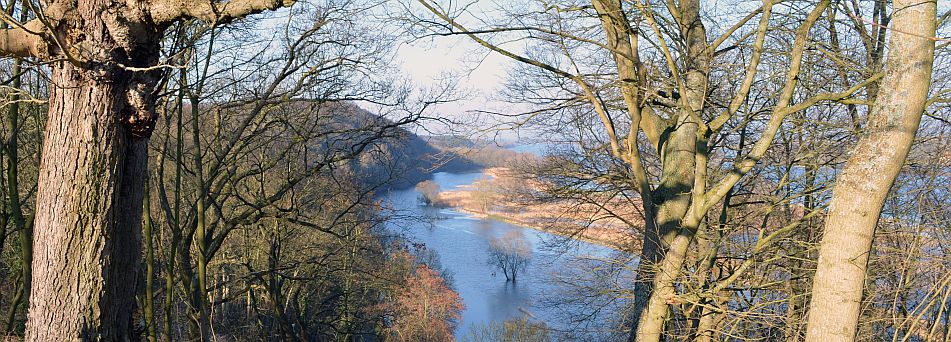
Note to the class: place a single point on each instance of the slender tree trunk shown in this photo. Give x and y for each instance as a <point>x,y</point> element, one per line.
<point>190,286</point>
<point>865,181</point>
<point>170,284</point>
<point>202,236</point>
<point>14,303</point>
<point>13,111</point>
<point>149,310</point>
<point>24,230</point>
<point>177,226</point>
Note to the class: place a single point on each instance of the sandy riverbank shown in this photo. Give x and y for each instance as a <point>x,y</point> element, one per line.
<point>500,196</point>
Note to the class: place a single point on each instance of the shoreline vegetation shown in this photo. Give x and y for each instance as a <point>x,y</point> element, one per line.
<point>499,196</point>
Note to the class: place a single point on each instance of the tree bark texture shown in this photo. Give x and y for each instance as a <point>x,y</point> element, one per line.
<point>661,253</point>
<point>864,183</point>
<point>89,210</point>
<point>92,171</point>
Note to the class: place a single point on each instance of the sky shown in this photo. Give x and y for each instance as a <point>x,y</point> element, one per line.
<point>426,62</point>
<point>479,75</point>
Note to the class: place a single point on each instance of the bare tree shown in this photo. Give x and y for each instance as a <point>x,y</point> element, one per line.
<point>428,192</point>
<point>654,115</point>
<point>510,253</point>
<point>484,194</point>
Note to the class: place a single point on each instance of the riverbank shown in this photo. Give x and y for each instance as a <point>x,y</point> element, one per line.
<point>500,195</point>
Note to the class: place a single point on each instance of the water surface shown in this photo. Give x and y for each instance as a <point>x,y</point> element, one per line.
<point>462,243</point>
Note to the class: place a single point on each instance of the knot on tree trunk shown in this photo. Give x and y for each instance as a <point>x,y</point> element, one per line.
<point>139,115</point>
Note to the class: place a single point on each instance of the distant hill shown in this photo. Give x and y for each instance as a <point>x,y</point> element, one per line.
<point>401,159</point>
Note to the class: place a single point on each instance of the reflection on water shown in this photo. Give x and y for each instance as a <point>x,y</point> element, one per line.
<point>462,242</point>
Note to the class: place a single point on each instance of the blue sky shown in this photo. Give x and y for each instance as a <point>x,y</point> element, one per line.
<point>479,75</point>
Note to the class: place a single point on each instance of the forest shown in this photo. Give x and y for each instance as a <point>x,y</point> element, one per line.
<point>642,170</point>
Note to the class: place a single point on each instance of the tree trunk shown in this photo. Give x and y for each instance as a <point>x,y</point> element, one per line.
<point>865,181</point>
<point>665,207</point>
<point>104,59</point>
<point>149,302</point>
<point>89,211</point>
<point>672,199</point>
<point>24,229</point>
<point>87,229</point>
<point>666,248</point>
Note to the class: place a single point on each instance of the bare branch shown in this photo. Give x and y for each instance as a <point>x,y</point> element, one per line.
<point>24,41</point>
<point>167,11</point>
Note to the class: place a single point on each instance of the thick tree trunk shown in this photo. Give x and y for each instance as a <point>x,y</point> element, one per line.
<point>666,248</point>
<point>865,181</point>
<point>89,211</point>
<point>87,228</point>
<point>660,253</point>
<point>104,59</point>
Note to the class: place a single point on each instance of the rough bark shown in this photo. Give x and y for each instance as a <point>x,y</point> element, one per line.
<point>20,42</point>
<point>163,11</point>
<point>92,171</point>
<point>865,181</point>
<point>89,210</point>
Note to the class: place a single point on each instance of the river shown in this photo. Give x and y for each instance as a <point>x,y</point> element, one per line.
<point>462,243</point>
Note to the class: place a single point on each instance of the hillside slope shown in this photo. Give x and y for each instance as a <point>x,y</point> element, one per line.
<point>401,158</point>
